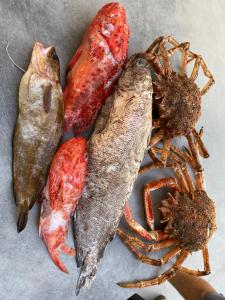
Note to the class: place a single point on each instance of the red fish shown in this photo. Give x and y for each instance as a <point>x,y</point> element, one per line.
<point>60,196</point>
<point>95,67</point>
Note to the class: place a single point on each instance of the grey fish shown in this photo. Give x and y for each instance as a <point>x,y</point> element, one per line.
<point>115,152</point>
<point>38,128</point>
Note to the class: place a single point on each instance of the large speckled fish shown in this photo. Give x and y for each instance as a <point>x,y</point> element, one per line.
<point>38,128</point>
<point>115,152</point>
<point>95,67</point>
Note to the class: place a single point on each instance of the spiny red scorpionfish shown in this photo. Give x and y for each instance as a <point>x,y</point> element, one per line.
<point>60,196</point>
<point>95,67</point>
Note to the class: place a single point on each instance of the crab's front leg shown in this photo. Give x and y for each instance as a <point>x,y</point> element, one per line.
<point>152,186</point>
<point>135,226</point>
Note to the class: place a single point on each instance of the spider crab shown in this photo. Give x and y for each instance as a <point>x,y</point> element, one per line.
<point>189,215</point>
<point>177,98</point>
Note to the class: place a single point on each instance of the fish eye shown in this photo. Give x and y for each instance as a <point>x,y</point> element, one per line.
<point>55,56</point>
<point>141,62</point>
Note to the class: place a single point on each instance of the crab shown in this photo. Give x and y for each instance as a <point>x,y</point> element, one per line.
<point>177,98</point>
<point>189,218</point>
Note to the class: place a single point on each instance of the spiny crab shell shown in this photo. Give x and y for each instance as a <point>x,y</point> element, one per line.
<point>191,219</point>
<point>178,103</point>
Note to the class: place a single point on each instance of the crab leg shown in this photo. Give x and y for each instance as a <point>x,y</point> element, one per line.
<point>160,279</point>
<point>156,65</point>
<point>183,47</point>
<point>196,143</point>
<point>168,256</point>
<point>200,62</point>
<point>209,75</point>
<point>166,61</point>
<point>165,151</point>
<point>154,185</point>
<point>145,259</point>
<point>147,168</point>
<point>154,45</point>
<point>180,177</point>
<point>198,273</point>
<point>194,73</point>
<point>188,178</point>
<point>155,159</point>
<point>204,153</point>
<point>156,138</point>
<point>136,227</point>
<point>181,154</point>
<point>194,152</point>
<point>199,177</point>
<point>142,245</point>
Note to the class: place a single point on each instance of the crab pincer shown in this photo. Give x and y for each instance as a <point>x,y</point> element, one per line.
<point>60,196</point>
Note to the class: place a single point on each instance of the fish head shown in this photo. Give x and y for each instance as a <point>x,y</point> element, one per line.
<point>136,75</point>
<point>45,61</point>
<point>111,23</point>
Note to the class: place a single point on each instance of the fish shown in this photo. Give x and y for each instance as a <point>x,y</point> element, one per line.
<point>115,152</point>
<point>60,196</point>
<point>38,130</point>
<point>95,67</point>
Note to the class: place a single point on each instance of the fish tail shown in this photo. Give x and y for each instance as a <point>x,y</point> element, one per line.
<point>87,273</point>
<point>22,216</point>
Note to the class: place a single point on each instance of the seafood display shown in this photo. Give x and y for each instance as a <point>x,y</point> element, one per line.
<point>115,152</point>
<point>91,181</point>
<point>38,128</point>
<point>95,67</point>
<point>177,98</point>
<point>189,215</point>
<point>60,196</point>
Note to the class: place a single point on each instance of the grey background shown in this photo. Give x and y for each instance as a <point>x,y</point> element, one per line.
<point>26,271</point>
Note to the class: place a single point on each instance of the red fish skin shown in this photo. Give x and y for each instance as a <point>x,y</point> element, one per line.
<point>95,67</point>
<point>60,196</point>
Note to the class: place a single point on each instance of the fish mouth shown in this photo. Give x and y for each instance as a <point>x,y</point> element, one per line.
<point>48,52</point>
<point>112,9</point>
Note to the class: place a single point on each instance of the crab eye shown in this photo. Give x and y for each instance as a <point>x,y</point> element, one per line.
<point>141,62</point>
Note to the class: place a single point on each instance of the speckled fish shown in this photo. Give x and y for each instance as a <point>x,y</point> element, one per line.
<point>95,67</point>
<point>115,152</point>
<point>38,128</point>
<point>60,196</point>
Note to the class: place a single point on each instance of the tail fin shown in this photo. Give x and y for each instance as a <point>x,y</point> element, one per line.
<point>88,272</point>
<point>22,216</point>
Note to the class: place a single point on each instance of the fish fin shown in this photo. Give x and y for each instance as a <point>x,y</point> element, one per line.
<point>47,89</point>
<point>67,250</point>
<point>75,58</point>
<point>87,273</point>
<point>22,216</point>
<point>57,261</point>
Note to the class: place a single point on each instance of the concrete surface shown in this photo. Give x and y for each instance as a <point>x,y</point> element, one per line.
<point>26,272</point>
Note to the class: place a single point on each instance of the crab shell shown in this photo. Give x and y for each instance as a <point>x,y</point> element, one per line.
<point>190,219</point>
<point>178,103</point>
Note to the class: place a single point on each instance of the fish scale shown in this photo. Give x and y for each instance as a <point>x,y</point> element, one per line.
<point>119,140</point>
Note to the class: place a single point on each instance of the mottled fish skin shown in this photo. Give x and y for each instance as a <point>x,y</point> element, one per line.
<point>115,152</point>
<point>38,129</point>
<point>96,66</point>
<point>63,189</point>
